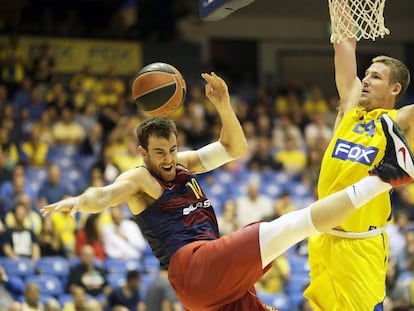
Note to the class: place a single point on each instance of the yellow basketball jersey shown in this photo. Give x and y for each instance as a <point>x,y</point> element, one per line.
<point>357,146</point>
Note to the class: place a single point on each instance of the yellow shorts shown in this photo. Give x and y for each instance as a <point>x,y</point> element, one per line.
<point>347,274</point>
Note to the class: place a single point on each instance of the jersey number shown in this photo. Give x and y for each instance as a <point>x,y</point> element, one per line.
<point>195,187</point>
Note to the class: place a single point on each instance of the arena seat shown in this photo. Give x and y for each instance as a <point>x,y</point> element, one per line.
<point>48,284</point>
<point>53,265</point>
<point>122,266</point>
<point>21,267</point>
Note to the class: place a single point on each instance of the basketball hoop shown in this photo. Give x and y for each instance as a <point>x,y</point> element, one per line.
<point>214,10</point>
<point>360,19</point>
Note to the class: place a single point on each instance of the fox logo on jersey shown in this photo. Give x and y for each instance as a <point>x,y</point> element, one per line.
<point>346,150</point>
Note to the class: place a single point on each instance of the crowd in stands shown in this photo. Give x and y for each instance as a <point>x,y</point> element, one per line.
<point>60,135</point>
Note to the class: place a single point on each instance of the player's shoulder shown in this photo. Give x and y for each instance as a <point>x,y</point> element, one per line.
<point>139,173</point>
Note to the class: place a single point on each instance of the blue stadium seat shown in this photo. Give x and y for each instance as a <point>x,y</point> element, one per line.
<point>405,277</point>
<point>298,264</point>
<point>151,264</point>
<point>279,300</point>
<point>64,299</point>
<point>271,189</point>
<point>21,267</point>
<point>116,279</point>
<point>148,250</point>
<point>48,284</point>
<point>45,298</point>
<point>53,265</point>
<point>122,266</point>
<point>295,300</point>
<point>146,280</point>
<point>297,283</point>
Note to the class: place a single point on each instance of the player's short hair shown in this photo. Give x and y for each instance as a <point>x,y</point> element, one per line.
<point>399,72</point>
<point>156,126</point>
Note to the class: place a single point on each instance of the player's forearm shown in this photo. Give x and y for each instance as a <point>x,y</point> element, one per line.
<point>232,135</point>
<point>96,199</point>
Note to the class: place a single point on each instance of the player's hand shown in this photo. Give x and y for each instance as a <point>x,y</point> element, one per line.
<point>216,90</point>
<point>66,205</point>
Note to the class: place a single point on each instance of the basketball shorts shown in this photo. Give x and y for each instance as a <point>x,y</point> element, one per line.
<point>347,274</point>
<point>219,274</point>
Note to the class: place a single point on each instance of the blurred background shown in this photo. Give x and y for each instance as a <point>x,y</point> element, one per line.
<point>67,121</point>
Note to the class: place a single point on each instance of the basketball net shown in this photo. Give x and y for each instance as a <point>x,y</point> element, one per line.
<point>360,19</point>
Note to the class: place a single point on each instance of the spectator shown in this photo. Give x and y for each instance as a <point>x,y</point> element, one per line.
<point>402,201</point>
<point>122,238</point>
<point>8,148</point>
<point>67,131</point>
<point>32,298</point>
<point>53,188</point>
<point>6,170</point>
<point>19,241</point>
<point>318,133</point>
<point>315,102</point>
<point>78,301</point>
<point>398,291</point>
<point>65,227</point>
<point>283,204</point>
<point>128,295</point>
<point>292,157</point>
<point>15,306</point>
<point>405,258</point>
<point>34,152</point>
<point>92,144</point>
<point>130,158</point>
<point>275,280</point>
<point>92,305</point>
<point>262,159</point>
<point>91,235</point>
<point>33,221</point>
<point>88,275</point>
<point>160,295</point>
<point>50,242</point>
<point>253,206</point>
<point>31,112</point>
<point>227,222</point>
<point>11,189</point>
<point>13,64</point>
<point>52,305</point>
<point>44,66</point>
<point>396,232</point>
<point>109,170</point>
<point>284,130</point>
<point>44,126</point>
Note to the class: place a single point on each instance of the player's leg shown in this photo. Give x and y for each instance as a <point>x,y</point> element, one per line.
<point>213,10</point>
<point>395,169</point>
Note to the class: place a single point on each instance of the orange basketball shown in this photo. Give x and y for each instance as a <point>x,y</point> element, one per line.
<point>159,89</point>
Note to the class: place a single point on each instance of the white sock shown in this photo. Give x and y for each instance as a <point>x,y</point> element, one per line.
<point>366,189</point>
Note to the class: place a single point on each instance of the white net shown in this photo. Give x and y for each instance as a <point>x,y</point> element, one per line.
<point>360,19</point>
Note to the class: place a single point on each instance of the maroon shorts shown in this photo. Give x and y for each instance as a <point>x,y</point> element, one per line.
<point>219,274</point>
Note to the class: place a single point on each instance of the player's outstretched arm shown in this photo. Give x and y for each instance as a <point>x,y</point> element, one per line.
<point>347,82</point>
<point>405,117</point>
<point>231,136</point>
<point>96,199</point>
<point>232,143</point>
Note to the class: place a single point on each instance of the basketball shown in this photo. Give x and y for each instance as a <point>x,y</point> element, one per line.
<point>159,89</point>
